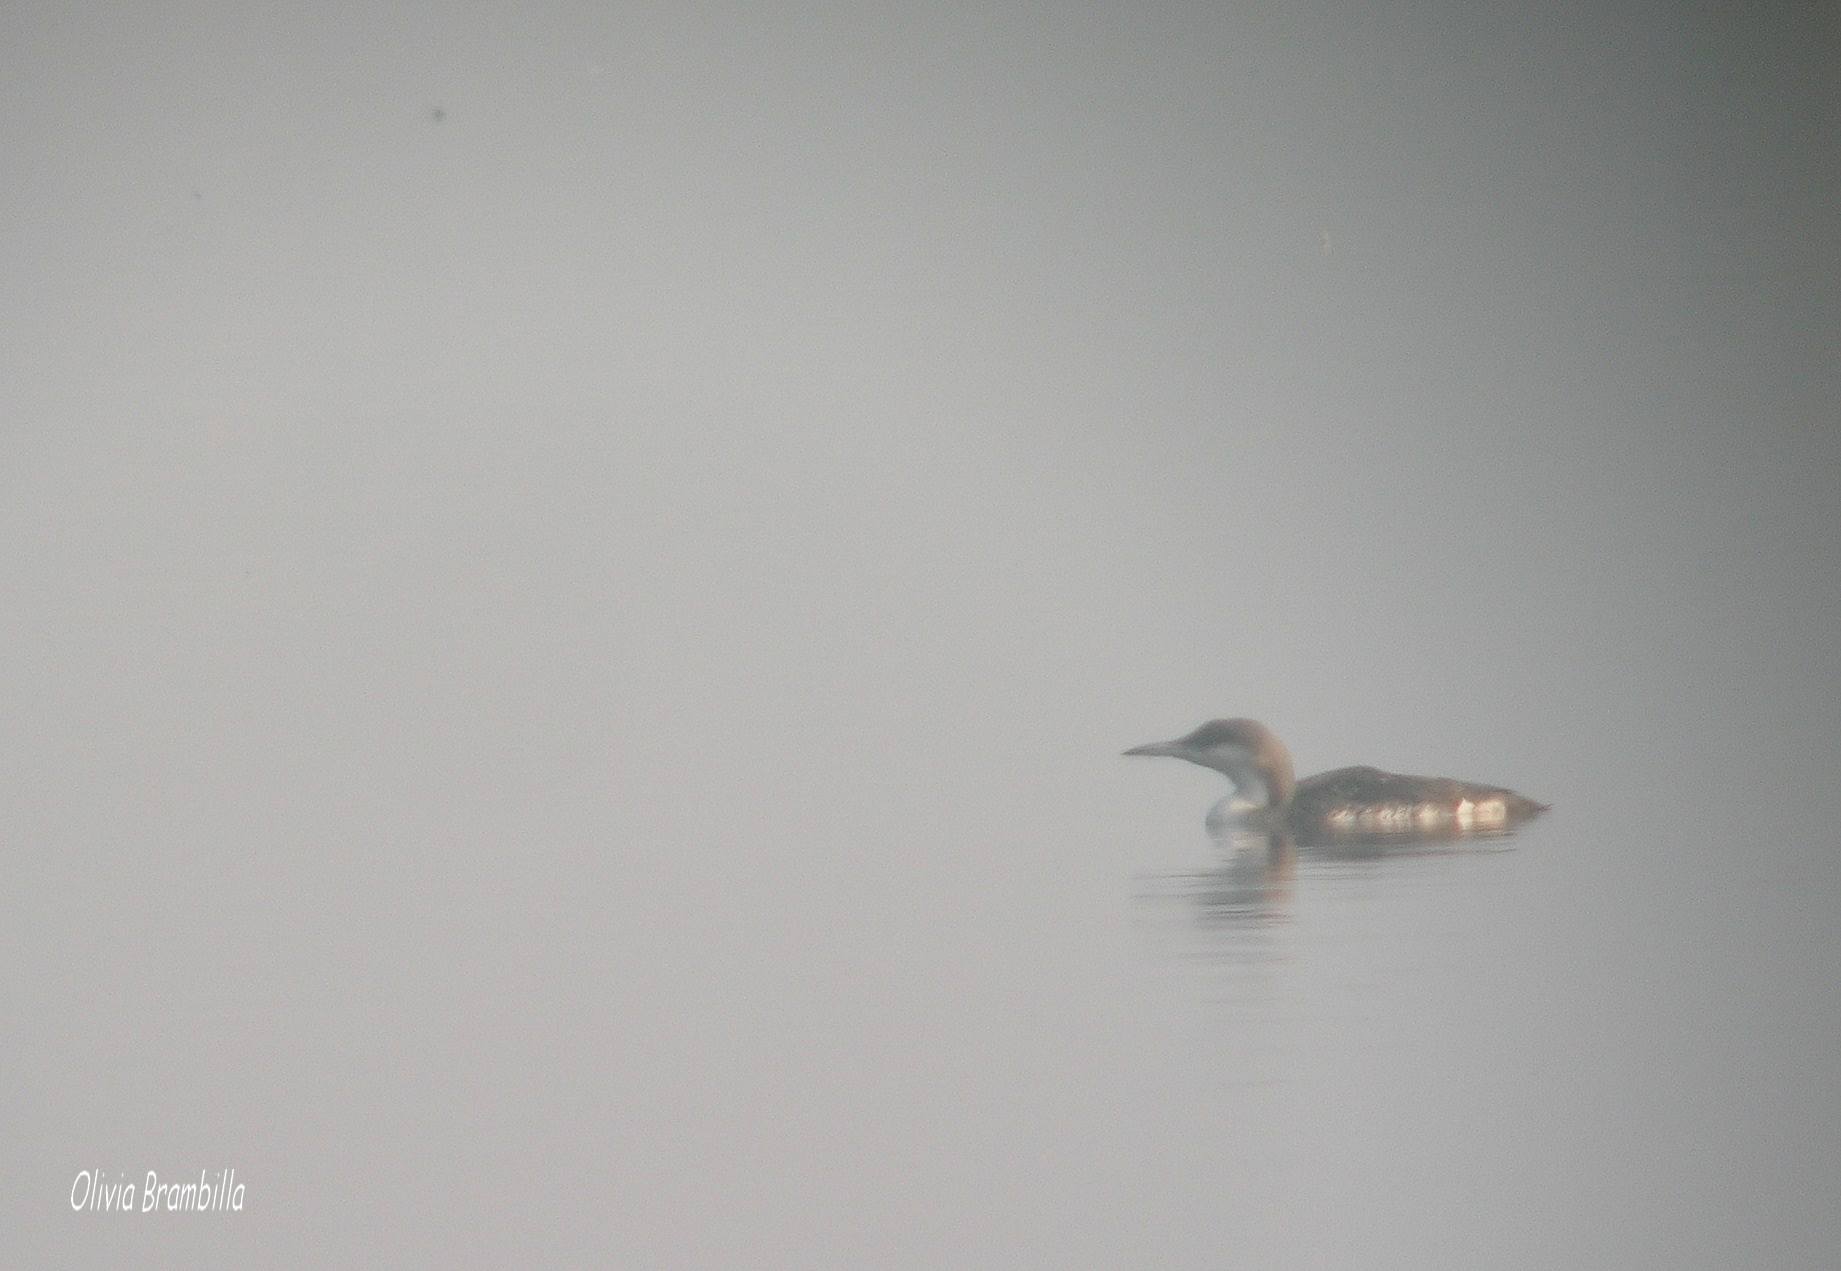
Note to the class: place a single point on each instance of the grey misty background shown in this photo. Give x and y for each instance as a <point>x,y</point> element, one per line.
<point>576,577</point>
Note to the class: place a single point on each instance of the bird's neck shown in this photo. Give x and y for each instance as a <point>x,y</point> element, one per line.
<point>1265,780</point>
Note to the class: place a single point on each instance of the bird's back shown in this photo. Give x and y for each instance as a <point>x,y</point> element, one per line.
<point>1364,801</point>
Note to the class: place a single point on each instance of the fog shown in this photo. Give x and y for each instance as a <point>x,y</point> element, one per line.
<point>578,576</point>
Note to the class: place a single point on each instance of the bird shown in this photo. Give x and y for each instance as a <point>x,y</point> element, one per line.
<point>1344,803</point>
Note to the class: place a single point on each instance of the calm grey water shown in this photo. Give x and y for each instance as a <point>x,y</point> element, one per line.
<point>577,577</point>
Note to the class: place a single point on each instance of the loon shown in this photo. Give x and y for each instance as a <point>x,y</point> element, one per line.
<point>1342,803</point>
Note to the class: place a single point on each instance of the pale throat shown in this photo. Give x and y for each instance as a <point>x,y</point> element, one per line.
<point>1250,788</point>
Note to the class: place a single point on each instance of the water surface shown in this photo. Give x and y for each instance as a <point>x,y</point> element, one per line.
<point>576,584</point>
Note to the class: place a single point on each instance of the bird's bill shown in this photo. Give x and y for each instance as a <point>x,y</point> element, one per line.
<point>1167,749</point>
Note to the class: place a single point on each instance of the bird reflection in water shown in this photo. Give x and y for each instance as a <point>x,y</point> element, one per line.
<point>1255,888</point>
<point>1254,883</point>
